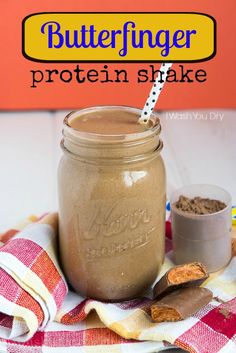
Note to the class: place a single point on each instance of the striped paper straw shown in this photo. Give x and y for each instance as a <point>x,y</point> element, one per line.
<point>154,94</point>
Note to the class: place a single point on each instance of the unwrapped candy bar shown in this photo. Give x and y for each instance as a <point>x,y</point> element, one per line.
<point>187,275</point>
<point>180,304</point>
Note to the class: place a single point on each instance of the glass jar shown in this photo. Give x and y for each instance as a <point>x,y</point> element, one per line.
<point>112,196</point>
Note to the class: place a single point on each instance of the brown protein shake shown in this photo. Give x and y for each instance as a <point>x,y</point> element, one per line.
<point>105,123</point>
<point>111,202</point>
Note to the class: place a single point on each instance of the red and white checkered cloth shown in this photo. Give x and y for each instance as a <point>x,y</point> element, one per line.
<point>39,315</point>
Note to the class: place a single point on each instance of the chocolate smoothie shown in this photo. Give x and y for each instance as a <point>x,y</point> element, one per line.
<point>111,202</point>
<point>105,123</point>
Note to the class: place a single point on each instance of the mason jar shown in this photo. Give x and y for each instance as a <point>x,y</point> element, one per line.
<point>112,195</point>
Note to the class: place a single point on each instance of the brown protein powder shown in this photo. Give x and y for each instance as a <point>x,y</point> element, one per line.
<point>199,205</point>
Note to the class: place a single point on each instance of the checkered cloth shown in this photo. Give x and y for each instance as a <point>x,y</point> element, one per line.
<point>39,314</point>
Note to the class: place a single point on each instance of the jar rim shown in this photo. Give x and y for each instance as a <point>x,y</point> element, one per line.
<point>155,129</point>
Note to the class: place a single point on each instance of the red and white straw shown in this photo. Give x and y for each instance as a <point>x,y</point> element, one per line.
<point>154,94</point>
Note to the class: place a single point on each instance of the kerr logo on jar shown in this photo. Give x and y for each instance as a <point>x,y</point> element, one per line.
<point>114,37</point>
<point>109,221</point>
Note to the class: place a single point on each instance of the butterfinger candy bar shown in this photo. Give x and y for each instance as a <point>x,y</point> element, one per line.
<point>233,246</point>
<point>180,304</point>
<point>187,275</point>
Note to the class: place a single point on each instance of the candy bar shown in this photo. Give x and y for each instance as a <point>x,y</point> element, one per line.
<point>187,275</point>
<point>180,304</point>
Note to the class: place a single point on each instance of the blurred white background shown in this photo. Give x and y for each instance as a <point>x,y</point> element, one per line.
<point>199,147</point>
